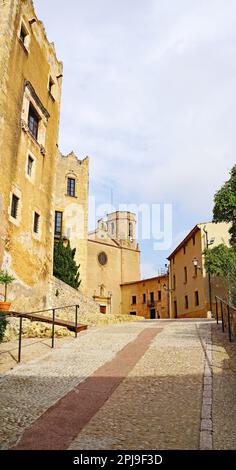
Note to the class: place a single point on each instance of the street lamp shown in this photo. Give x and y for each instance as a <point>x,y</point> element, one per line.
<point>196,265</point>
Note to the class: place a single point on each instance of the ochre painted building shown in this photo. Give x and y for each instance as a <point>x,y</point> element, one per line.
<point>113,258</point>
<point>71,207</point>
<point>147,298</point>
<point>190,285</point>
<point>30,94</point>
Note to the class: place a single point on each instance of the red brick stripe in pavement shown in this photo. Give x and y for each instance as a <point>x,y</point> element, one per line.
<point>61,423</point>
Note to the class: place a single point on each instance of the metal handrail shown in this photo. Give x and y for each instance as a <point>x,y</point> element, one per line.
<point>221,302</point>
<point>42,311</point>
<point>27,314</point>
<point>225,302</point>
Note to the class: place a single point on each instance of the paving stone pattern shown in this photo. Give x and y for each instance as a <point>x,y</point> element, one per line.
<point>179,393</point>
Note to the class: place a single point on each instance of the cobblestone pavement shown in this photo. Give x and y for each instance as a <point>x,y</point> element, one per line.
<point>224,390</point>
<point>155,403</point>
<point>158,406</point>
<point>32,348</point>
<point>28,390</point>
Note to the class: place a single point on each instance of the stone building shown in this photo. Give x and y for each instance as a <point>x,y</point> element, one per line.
<point>71,207</point>
<point>192,291</point>
<point>147,298</point>
<point>30,94</point>
<point>113,258</point>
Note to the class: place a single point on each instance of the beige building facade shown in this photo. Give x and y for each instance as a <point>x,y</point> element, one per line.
<point>147,298</point>
<point>30,94</point>
<point>71,207</point>
<point>192,291</point>
<point>113,258</point>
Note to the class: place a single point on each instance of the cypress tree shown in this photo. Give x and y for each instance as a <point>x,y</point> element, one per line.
<point>64,265</point>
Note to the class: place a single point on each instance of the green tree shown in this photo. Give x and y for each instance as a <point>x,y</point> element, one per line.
<point>65,267</point>
<point>220,262</point>
<point>225,204</point>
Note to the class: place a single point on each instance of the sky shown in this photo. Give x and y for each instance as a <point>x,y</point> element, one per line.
<point>149,93</point>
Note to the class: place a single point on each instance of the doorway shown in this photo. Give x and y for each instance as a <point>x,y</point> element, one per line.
<point>152,313</point>
<point>175,309</point>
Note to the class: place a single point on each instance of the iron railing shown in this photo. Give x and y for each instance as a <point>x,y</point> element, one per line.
<point>225,312</point>
<point>30,316</point>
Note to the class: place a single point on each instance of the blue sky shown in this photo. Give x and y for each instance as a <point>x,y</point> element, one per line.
<point>149,93</point>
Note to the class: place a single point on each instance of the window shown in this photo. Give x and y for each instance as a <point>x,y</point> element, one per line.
<point>102,258</point>
<point>196,298</point>
<point>159,295</point>
<point>33,122</point>
<point>184,250</point>
<point>185,275</point>
<point>14,206</point>
<point>36,222</point>
<point>134,300</point>
<point>58,223</point>
<point>174,282</point>
<point>112,228</point>
<point>130,229</point>
<point>186,302</point>
<point>71,187</point>
<point>133,313</point>
<point>23,34</point>
<point>30,166</point>
<point>51,86</point>
<point>152,297</point>
<point>144,298</point>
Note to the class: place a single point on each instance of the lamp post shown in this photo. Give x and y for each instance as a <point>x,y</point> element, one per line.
<point>209,243</point>
<point>168,289</point>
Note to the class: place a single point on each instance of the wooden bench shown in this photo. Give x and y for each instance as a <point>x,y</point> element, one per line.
<point>58,321</point>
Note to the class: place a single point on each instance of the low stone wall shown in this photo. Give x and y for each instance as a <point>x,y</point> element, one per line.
<point>58,294</point>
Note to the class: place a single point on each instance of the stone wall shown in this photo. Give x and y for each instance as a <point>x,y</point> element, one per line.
<point>59,294</point>
<point>26,252</point>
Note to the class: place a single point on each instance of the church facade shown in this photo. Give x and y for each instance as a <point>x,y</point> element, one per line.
<point>113,258</point>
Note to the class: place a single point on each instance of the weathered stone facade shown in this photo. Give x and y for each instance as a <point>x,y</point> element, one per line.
<point>29,118</point>
<point>71,205</point>
<point>115,240</point>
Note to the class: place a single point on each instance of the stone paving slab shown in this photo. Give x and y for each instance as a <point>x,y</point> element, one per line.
<point>28,390</point>
<point>179,395</point>
<point>224,390</point>
<point>56,428</point>
<point>158,406</point>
